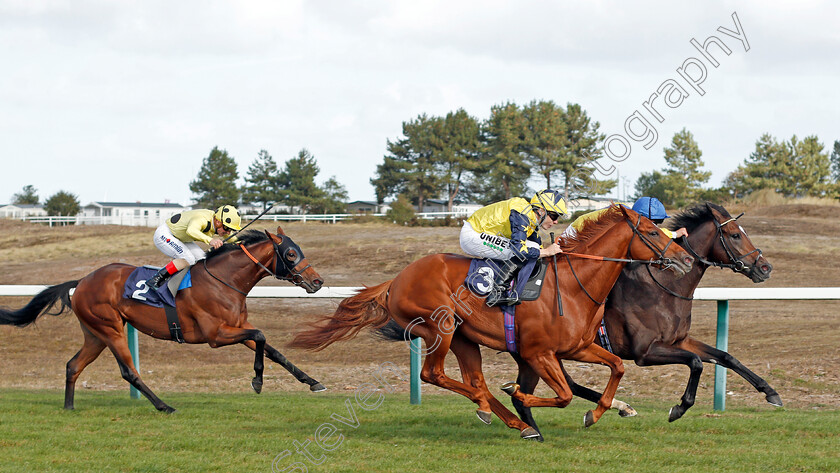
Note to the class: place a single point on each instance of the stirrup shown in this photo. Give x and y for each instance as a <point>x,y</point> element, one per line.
<point>157,281</point>
<point>499,296</point>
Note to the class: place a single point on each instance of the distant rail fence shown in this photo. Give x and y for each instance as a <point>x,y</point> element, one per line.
<point>143,221</point>
<point>720,294</point>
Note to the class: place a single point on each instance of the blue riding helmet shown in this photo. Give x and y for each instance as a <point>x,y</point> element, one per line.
<point>651,208</point>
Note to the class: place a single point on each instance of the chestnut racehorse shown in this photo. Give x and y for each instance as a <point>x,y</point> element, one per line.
<point>212,311</point>
<point>648,316</point>
<point>428,296</point>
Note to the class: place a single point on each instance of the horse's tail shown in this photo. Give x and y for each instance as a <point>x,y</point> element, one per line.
<point>368,307</point>
<point>40,304</point>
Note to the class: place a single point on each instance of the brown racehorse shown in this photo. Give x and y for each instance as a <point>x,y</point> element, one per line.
<point>429,296</point>
<point>648,316</point>
<point>212,311</point>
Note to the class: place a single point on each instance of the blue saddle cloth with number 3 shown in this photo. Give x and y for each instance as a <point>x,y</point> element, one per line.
<point>137,289</point>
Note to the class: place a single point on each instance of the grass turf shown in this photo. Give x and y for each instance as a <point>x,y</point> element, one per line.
<point>245,432</point>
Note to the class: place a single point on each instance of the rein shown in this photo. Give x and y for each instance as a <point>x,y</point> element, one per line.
<point>294,274</point>
<point>663,261</point>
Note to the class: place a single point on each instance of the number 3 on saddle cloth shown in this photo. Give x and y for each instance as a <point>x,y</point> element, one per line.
<point>527,284</point>
<point>137,289</point>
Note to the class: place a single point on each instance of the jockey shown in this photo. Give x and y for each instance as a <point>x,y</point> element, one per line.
<point>508,231</point>
<point>649,207</point>
<point>177,236</point>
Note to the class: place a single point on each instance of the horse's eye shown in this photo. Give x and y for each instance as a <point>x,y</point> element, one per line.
<point>736,236</point>
<point>291,256</point>
<point>653,233</point>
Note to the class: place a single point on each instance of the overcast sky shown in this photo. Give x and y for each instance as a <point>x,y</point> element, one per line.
<point>122,100</point>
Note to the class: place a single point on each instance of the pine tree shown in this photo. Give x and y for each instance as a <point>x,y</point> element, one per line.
<point>297,181</point>
<point>684,161</point>
<point>215,184</point>
<point>333,199</point>
<point>27,196</point>
<point>457,154</point>
<point>262,181</point>
<point>62,203</point>
<point>582,148</point>
<point>503,171</point>
<point>835,162</point>
<point>410,166</point>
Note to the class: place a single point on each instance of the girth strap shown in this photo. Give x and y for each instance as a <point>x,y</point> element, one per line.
<point>173,323</point>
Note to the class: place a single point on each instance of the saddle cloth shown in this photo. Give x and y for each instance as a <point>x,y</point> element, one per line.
<point>137,289</point>
<point>527,284</point>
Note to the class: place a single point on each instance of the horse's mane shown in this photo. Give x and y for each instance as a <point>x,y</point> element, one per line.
<point>694,216</point>
<point>247,237</point>
<point>592,228</point>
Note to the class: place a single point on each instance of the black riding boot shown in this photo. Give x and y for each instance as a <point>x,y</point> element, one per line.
<point>500,294</point>
<point>156,281</point>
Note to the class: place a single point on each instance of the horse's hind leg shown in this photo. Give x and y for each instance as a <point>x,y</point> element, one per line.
<point>90,351</point>
<point>527,381</point>
<point>469,360</point>
<point>433,373</point>
<point>119,347</point>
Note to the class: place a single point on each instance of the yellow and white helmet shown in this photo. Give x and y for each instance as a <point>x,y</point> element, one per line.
<point>229,216</point>
<point>551,201</point>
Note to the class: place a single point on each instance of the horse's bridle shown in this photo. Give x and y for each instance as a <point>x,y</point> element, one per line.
<point>286,254</point>
<point>736,263</point>
<point>289,255</point>
<point>662,261</point>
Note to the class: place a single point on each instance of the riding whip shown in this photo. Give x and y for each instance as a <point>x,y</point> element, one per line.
<point>249,223</point>
<point>556,277</point>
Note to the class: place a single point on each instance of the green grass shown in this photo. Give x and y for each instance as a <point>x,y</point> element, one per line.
<point>245,432</point>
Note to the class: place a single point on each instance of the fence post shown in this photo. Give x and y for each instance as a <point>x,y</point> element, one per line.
<point>135,355</point>
<point>415,371</point>
<point>722,344</point>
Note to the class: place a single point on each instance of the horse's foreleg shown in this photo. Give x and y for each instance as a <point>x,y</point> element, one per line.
<point>546,366</point>
<point>660,354</point>
<point>596,354</point>
<point>90,351</point>
<point>278,358</point>
<point>624,409</point>
<point>712,355</point>
<point>527,381</point>
<point>227,335</point>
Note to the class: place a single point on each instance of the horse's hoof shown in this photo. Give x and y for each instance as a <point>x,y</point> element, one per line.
<point>485,417</point>
<point>510,388</point>
<point>627,412</point>
<point>317,388</point>
<point>256,385</point>
<point>675,413</point>
<point>530,433</point>
<point>774,399</point>
<point>168,410</point>
<point>588,419</point>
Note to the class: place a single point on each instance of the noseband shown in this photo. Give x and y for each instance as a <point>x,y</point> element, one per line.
<point>282,256</point>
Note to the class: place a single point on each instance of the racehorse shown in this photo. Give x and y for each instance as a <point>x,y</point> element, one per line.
<point>429,299</point>
<point>212,311</point>
<point>647,317</point>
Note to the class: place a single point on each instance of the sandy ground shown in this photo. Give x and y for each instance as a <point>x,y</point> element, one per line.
<point>794,345</point>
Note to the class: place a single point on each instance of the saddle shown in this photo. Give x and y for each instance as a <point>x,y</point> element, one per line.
<point>137,289</point>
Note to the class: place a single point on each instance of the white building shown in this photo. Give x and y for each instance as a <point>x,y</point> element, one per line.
<point>22,210</point>
<point>129,213</point>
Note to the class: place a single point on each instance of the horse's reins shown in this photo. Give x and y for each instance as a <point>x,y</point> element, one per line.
<point>294,274</point>
<point>663,261</point>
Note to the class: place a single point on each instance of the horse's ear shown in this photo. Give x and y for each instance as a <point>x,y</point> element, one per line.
<point>280,230</point>
<point>623,210</point>
<point>275,238</point>
<point>717,215</point>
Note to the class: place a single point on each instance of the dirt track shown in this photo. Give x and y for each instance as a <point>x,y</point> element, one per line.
<point>794,345</point>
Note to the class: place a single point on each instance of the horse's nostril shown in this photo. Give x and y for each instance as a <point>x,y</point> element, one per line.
<point>688,260</point>
<point>318,282</point>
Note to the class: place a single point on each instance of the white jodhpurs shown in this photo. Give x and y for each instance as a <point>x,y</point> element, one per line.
<point>175,248</point>
<point>485,245</point>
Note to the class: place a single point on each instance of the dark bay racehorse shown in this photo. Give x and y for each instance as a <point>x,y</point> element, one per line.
<point>212,311</point>
<point>648,316</point>
<point>429,297</point>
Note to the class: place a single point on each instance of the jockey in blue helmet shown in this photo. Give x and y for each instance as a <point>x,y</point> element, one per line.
<point>652,208</point>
